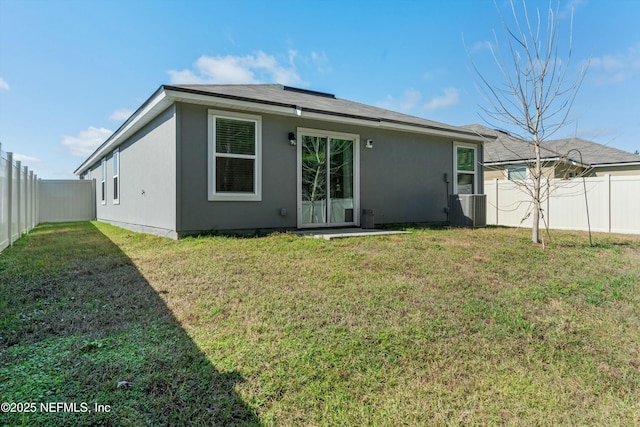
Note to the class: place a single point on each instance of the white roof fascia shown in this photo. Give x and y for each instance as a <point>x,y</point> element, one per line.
<point>431,131</point>
<point>340,119</point>
<point>569,161</point>
<point>134,123</point>
<point>604,165</point>
<point>513,162</point>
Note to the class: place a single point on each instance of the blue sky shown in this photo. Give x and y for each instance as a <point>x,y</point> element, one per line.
<point>72,71</point>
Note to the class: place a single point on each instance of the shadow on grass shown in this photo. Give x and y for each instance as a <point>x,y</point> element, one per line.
<point>78,318</point>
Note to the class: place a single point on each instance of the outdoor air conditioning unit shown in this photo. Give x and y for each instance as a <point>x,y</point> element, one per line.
<point>468,210</point>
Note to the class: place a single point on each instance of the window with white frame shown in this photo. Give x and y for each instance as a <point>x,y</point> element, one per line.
<point>465,169</point>
<point>235,156</point>
<point>103,182</point>
<point>516,173</point>
<point>116,176</point>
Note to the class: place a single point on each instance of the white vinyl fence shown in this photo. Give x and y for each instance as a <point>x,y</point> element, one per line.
<point>66,200</point>
<point>26,200</point>
<point>613,204</point>
<point>18,200</point>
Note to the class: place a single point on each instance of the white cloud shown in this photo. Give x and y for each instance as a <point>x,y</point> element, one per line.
<point>450,97</point>
<point>292,57</point>
<point>481,46</point>
<point>24,158</point>
<point>408,101</point>
<point>412,99</point>
<point>596,134</point>
<point>618,67</point>
<point>86,141</point>
<point>570,7</point>
<point>121,115</point>
<point>257,68</point>
<point>4,85</point>
<point>321,62</point>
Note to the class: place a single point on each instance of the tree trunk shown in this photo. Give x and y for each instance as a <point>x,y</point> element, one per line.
<point>537,179</point>
<point>535,227</point>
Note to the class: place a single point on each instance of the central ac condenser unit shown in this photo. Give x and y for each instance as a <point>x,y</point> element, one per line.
<point>468,210</point>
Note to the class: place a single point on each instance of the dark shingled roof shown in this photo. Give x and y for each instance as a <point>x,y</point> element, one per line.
<point>592,152</point>
<point>313,101</point>
<point>507,148</point>
<point>273,97</point>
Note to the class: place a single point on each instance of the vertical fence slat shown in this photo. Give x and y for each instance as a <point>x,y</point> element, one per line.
<point>23,199</point>
<point>10,202</point>
<point>18,199</point>
<point>608,190</point>
<point>4,202</point>
<point>614,203</point>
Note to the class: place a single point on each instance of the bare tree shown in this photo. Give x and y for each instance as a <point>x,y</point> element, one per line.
<point>535,95</point>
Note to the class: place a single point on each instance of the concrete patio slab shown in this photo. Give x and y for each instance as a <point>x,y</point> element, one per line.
<point>341,233</point>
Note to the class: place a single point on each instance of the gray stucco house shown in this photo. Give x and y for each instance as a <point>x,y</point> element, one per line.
<point>196,158</point>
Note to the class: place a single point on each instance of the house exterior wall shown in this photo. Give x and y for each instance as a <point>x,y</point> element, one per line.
<point>492,172</point>
<point>617,170</point>
<point>197,213</point>
<point>559,170</point>
<point>565,171</point>
<point>147,199</point>
<point>401,177</point>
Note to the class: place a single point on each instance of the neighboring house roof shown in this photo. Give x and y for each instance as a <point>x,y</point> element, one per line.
<point>507,149</point>
<point>276,99</point>
<point>592,153</point>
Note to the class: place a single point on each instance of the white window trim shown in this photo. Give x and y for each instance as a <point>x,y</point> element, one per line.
<point>356,174</point>
<point>256,196</point>
<point>103,181</point>
<point>456,145</point>
<point>116,174</point>
<point>508,168</point>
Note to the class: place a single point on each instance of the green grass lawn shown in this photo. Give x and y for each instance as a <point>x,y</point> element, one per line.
<point>438,327</point>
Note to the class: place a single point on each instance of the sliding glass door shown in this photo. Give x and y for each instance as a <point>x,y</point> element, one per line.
<point>327,179</point>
